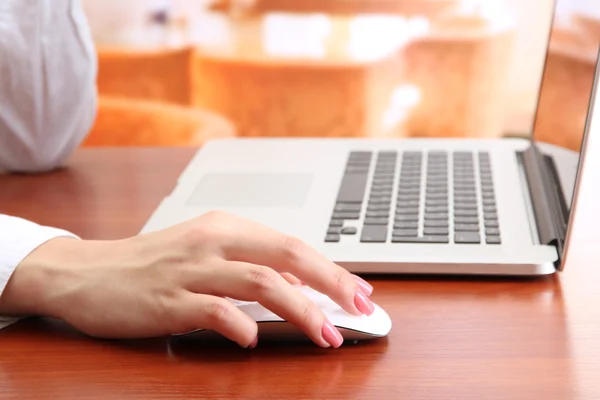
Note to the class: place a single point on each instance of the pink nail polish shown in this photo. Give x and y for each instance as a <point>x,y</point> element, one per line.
<point>332,335</point>
<point>253,344</point>
<point>362,302</point>
<point>364,285</point>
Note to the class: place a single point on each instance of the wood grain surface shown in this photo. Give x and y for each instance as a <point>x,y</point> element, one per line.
<point>452,338</point>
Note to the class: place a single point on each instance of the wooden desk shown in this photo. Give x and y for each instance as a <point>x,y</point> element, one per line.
<point>452,338</point>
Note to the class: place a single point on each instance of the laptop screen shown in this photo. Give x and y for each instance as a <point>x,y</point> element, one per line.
<point>567,85</point>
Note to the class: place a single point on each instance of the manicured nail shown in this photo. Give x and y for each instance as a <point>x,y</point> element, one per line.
<point>332,335</point>
<point>362,302</point>
<point>364,285</point>
<point>253,344</point>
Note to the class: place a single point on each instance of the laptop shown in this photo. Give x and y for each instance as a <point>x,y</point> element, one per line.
<point>397,206</point>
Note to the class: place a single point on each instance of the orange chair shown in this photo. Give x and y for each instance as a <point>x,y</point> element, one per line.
<point>126,122</point>
<point>161,75</point>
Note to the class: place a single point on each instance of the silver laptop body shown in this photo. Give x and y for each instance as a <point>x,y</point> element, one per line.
<point>395,206</point>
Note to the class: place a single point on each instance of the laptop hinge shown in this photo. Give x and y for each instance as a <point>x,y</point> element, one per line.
<point>545,191</point>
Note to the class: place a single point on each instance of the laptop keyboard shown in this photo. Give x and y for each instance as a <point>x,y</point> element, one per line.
<point>428,197</point>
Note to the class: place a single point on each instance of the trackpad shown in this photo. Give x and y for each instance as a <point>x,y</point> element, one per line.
<point>251,190</point>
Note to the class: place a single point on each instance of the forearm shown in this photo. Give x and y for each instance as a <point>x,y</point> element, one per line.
<point>47,83</point>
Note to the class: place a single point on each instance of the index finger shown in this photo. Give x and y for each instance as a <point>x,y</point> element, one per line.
<point>256,243</point>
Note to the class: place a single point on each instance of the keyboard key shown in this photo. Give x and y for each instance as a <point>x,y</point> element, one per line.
<point>490,216</point>
<point>489,202</point>
<point>374,234</point>
<point>407,211</point>
<point>465,206</point>
<point>378,207</point>
<point>433,223</point>
<point>411,197</point>
<point>407,218</point>
<point>491,224</point>
<point>436,210</point>
<point>493,240</point>
<point>436,203</point>
<point>380,200</point>
<point>376,221</point>
<point>378,214</point>
<point>335,230</point>
<point>436,231</point>
<point>406,225</point>
<point>437,216</point>
<point>348,207</point>
<point>405,232</point>
<point>437,196</point>
<point>420,239</point>
<point>467,237</point>
<point>332,238</point>
<point>465,213</point>
<point>346,215</point>
<point>466,228</point>
<point>353,187</point>
<point>336,222</point>
<point>466,220</point>
<point>349,230</point>
<point>407,204</point>
<point>489,209</point>
<point>492,232</point>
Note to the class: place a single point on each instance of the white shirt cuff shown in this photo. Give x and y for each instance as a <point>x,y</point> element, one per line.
<point>18,238</point>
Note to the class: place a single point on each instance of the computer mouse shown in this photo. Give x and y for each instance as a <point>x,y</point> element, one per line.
<point>274,328</point>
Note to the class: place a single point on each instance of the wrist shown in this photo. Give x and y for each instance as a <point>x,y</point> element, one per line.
<point>40,281</point>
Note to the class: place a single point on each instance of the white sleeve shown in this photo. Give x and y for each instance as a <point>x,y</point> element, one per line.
<point>18,238</point>
<point>48,70</point>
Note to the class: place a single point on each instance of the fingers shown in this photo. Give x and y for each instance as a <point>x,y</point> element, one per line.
<point>291,279</point>
<point>257,244</point>
<point>249,282</point>
<point>198,311</point>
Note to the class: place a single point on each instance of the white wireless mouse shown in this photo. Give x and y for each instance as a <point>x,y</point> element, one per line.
<point>274,328</point>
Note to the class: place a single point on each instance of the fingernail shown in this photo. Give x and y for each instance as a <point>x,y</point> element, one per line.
<point>364,285</point>
<point>332,335</point>
<point>362,302</point>
<point>253,344</point>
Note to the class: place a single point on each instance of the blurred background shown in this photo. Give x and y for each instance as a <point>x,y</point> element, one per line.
<point>180,72</point>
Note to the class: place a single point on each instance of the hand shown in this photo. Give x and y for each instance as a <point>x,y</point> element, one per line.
<point>174,281</point>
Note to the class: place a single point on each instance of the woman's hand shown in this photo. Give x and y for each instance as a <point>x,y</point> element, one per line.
<point>174,281</point>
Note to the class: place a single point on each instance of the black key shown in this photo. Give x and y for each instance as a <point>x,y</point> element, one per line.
<point>493,240</point>
<point>490,216</point>
<point>380,200</point>
<point>435,190</point>
<point>336,222</point>
<point>465,213</point>
<point>465,199</point>
<point>436,231</point>
<point>436,210</point>
<point>420,239</point>
<point>374,234</point>
<point>464,188</point>
<point>378,207</point>
<point>487,195</point>
<point>376,221</point>
<point>489,202</point>
<point>332,238</point>
<point>349,230</point>
<point>407,211</point>
<point>466,228</point>
<point>384,175</point>
<point>410,197</point>
<point>436,203</point>
<point>434,223</point>
<point>489,209</point>
<point>407,204</point>
<point>467,237</point>
<point>466,220</point>
<point>335,230</point>
<point>346,215</point>
<point>409,192</point>
<point>492,232</point>
<point>465,206</point>
<point>383,181</point>
<point>406,225</point>
<point>491,223</point>
<point>405,232</point>
<point>352,189</point>
<point>348,207</point>
<point>407,218</point>
<point>381,193</point>
<point>438,217</point>
<point>378,214</point>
